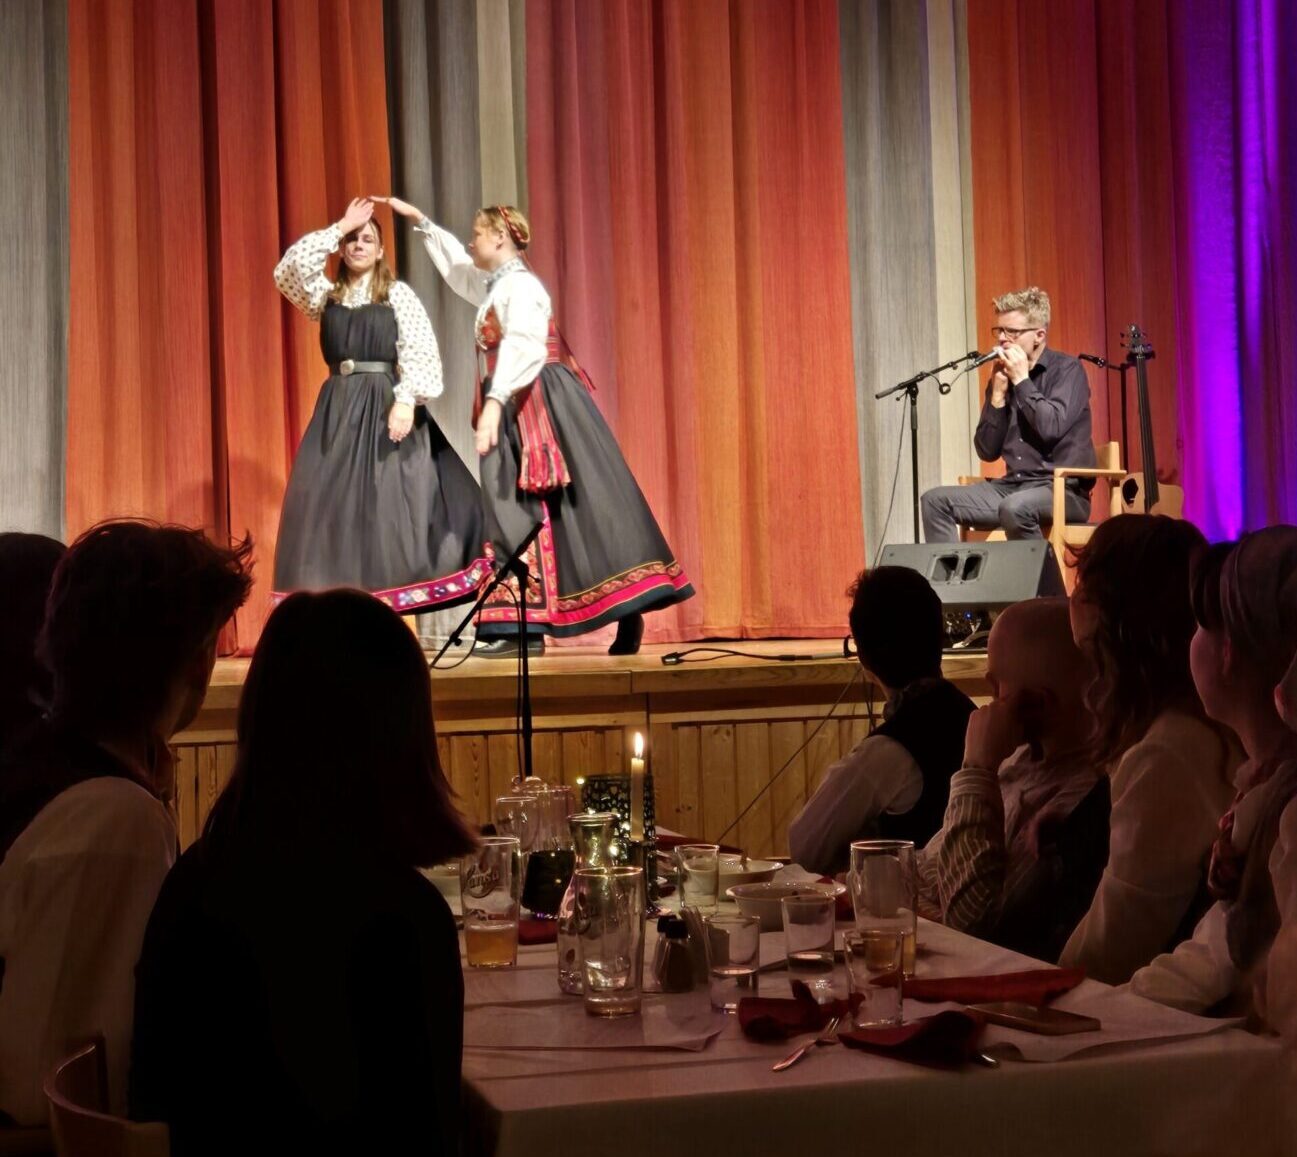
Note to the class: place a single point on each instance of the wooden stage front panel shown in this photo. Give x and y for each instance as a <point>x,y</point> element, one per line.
<point>717,731</point>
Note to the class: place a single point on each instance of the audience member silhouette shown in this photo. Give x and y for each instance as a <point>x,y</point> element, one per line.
<point>27,563</point>
<point>86,838</point>
<point>332,998</point>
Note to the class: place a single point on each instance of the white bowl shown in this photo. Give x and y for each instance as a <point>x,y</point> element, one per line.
<point>762,900</point>
<point>734,872</point>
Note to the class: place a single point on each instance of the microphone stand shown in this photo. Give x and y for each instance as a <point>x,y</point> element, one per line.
<point>1114,368</point>
<point>515,565</point>
<point>910,388</point>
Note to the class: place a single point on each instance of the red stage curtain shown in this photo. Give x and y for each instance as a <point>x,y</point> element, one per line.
<point>204,138</point>
<point>688,203</point>
<point>1064,195</point>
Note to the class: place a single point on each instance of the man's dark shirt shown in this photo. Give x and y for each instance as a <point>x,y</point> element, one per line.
<point>1045,422</point>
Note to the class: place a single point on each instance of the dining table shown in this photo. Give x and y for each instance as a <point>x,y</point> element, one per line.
<point>541,1076</point>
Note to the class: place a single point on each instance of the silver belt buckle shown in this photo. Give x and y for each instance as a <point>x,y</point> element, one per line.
<point>347,367</point>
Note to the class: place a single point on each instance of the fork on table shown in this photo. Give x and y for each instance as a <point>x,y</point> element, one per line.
<point>828,1037</point>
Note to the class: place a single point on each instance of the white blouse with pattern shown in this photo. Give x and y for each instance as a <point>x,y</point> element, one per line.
<point>301,277</point>
<point>515,294</point>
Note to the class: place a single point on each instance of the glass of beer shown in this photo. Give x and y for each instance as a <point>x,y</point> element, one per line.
<point>489,883</point>
<point>884,885</point>
<point>609,920</point>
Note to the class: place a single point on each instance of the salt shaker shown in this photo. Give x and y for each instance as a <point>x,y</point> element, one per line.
<point>673,965</point>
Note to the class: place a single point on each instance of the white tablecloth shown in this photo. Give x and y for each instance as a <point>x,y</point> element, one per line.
<point>1220,1092</point>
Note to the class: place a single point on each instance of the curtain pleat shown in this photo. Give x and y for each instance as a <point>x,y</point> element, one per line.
<point>910,266</point>
<point>687,190</point>
<point>34,293</point>
<point>205,137</point>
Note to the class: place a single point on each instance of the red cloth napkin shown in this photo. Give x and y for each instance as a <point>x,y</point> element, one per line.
<point>767,1018</point>
<point>945,1040</point>
<point>534,930</point>
<point>1036,986</point>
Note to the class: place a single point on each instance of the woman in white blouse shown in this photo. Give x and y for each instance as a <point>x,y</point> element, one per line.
<point>1170,769</point>
<point>547,456</point>
<point>1245,601</point>
<point>377,498</point>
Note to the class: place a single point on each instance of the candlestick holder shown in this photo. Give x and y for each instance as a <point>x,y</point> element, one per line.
<point>611,793</point>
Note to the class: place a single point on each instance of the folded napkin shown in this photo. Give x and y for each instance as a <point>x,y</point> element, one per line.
<point>945,1040</point>
<point>534,930</point>
<point>1036,986</point>
<point>767,1018</point>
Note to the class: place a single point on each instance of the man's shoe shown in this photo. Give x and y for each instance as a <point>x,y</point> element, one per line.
<point>630,633</point>
<point>506,647</point>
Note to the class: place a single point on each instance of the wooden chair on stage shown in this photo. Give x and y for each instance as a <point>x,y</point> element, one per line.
<point>77,1091</point>
<point>1063,534</point>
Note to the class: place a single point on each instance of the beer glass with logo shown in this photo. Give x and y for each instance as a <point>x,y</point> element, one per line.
<point>489,883</point>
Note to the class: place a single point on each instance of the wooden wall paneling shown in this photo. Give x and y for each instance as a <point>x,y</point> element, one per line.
<point>752,774</point>
<point>186,798</point>
<point>688,781</point>
<point>583,755</point>
<point>823,749</point>
<point>503,767</point>
<point>469,775</point>
<point>788,796</point>
<point>662,763</point>
<point>717,779</point>
<point>547,756</point>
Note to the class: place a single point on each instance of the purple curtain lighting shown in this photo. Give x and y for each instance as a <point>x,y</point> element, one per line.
<point>1234,95</point>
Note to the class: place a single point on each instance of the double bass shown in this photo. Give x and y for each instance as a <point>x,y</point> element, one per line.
<point>1142,493</point>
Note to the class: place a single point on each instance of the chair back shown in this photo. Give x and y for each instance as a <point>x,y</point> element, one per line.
<point>77,1092</point>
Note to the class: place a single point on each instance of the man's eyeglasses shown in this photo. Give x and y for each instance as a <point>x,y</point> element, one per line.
<point>999,331</point>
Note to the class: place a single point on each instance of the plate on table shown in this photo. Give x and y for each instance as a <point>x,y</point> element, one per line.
<point>762,900</point>
<point>734,871</point>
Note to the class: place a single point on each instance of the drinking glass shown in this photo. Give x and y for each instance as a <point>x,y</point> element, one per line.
<point>700,875</point>
<point>489,881</point>
<point>610,928</point>
<point>874,976</point>
<point>808,937</point>
<point>518,816</point>
<point>884,885</point>
<point>733,958</point>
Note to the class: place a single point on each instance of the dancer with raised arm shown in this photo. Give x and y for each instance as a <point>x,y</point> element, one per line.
<point>547,455</point>
<point>377,499</point>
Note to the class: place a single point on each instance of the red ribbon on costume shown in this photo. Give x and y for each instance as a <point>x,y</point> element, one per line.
<point>542,467</point>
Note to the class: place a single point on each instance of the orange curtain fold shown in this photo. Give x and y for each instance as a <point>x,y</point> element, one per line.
<point>688,155</point>
<point>204,138</point>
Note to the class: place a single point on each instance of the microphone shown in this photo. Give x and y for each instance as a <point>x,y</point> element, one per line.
<point>1102,363</point>
<point>982,359</point>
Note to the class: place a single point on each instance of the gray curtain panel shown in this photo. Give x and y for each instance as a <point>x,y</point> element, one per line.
<point>910,263</point>
<point>34,290</point>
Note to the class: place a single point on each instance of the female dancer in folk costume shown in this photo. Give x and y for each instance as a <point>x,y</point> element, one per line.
<point>377,498</point>
<point>547,455</point>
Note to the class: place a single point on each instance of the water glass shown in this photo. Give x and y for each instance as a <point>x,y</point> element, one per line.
<point>489,883</point>
<point>700,875</point>
<point>733,958</point>
<point>518,816</point>
<point>874,976</point>
<point>610,929</point>
<point>808,937</point>
<point>884,884</point>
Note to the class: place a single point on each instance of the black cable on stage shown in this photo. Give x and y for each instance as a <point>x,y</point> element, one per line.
<point>710,654</point>
<point>891,501</point>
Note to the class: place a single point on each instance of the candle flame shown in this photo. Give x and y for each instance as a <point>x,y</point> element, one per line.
<point>639,745</point>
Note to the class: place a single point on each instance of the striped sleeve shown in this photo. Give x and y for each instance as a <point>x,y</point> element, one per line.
<point>971,861</point>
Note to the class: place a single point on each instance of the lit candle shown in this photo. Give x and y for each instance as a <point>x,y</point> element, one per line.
<point>637,789</point>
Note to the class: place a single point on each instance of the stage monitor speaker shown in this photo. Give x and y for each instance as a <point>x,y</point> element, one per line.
<point>977,580</point>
